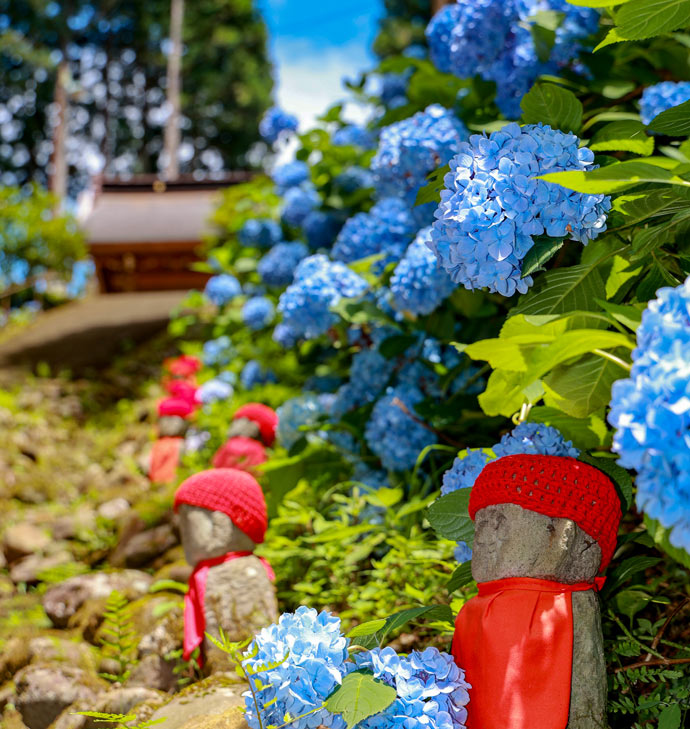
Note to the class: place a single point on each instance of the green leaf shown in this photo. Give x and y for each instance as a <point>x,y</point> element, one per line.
<point>397,344</point>
<point>596,3</point>
<point>582,388</point>
<point>640,19</point>
<point>620,477</point>
<point>621,275</point>
<point>461,576</point>
<point>623,136</point>
<point>448,515</point>
<point>628,315</point>
<point>630,602</point>
<point>360,696</point>
<point>554,105</point>
<point>642,206</point>
<point>584,432</point>
<point>396,621</point>
<point>431,192</point>
<point>660,535</point>
<point>626,570</point>
<point>614,178</point>
<point>368,628</point>
<point>674,122</point>
<point>169,585</point>
<point>563,290</point>
<point>670,717</point>
<point>541,252</point>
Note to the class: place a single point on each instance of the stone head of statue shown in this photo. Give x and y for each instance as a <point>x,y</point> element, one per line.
<point>208,534</point>
<point>172,426</point>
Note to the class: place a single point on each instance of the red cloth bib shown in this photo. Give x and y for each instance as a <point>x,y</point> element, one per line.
<point>515,643</point>
<point>165,458</point>
<point>194,615</point>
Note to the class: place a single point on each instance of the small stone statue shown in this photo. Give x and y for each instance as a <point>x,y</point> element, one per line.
<point>167,449</point>
<point>223,517</point>
<point>253,429</point>
<point>531,641</point>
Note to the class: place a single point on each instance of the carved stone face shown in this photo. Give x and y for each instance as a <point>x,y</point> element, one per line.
<point>245,428</point>
<point>511,541</point>
<point>171,426</point>
<point>207,534</point>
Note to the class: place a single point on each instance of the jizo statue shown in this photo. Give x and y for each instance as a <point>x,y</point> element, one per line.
<point>531,641</point>
<point>222,517</point>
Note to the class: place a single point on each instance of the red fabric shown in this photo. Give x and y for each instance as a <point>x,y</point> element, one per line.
<point>515,643</point>
<point>556,486</point>
<point>240,452</point>
<point>266,418</point>
<point>165,458</point>
<point>183,366</point>
<point>182,390</point>
<point>175,406</point>
<point>194,615</point>
<point>234,492</point>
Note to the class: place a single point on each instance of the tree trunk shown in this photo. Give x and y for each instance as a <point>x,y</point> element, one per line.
<point>172,128</point>
<point>436,5</point>
<point>58,177</point>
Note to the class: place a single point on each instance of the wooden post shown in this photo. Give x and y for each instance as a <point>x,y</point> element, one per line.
<point>58,177</point>
<point>171,143</point>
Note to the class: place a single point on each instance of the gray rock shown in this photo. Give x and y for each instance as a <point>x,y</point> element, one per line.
<point>118,700</point>
<point>153,671</point>
<point>29,569</point>
<point>514,542</point>
<point>142,548</point>
<point>114,509</point>
<point>239,598</point>
<point>70,526</point>
<point>21,540</point>
<point>52,649</point>
<point>62,601</point>
<point>44,691</point>
<point>211,704</point>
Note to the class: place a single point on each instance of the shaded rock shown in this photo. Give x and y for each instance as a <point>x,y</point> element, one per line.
<point>114,509</point>
<point>61,602</point>
<point>179,571</point>
<point>15,655</point>
<point>155,672</point>
<point>11,718</point>
<point>118,700</point>
<point>142,548</point>
<point>211,704</point>
<point>23,539</point>
<point>52,649</point>
<point>44,691</point>
<point>70,526</point>
<point>3,561</point>
<point>158,620</point>
<point>29,569</point>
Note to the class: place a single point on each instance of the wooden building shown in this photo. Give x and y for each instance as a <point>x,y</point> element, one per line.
<point>144,234</point>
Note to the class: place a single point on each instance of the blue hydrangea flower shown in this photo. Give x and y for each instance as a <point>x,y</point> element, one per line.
<point>374,479</point>
<point>290,174</point>
<point>320,229</point>
<point>386,229</point>
<point>419,284</point>
<point>409,149</point>
<point>260,232</point>
<point>298,203</point>
<point>277,123</point>
<point>464,471</point>
<point>195,440</point>
<point>492,207</point>
<point>258,312</point>
<point>438,36</point>
<point>535,438</point>
<point>285,336</point>
<point>254,374</point>
<point>293,414</point>
<point>394,432</point>
<point>662,96</point>
<point>318,284</point>
<point>218,351</point>
<point>277,267</point>
<point>315,666</point>
<point>353,136</point>
<point>354,178</point>
<point>431,689</point>
<point>462,552</point>
<point>419,375</point>
<point>221,289</point>
<point>369,374</point>
<point>651,413</point>
<point>394,89</point>
<point>416,50</point>
<point>213,391</point>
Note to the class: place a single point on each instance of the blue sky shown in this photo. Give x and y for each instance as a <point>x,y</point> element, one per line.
<point>314,44</point>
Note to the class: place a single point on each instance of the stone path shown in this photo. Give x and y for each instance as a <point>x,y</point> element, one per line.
<point>90,332</point>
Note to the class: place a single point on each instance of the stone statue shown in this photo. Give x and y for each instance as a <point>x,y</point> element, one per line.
<point>531,641</point>
<point>164,458</point>
<point>222,516</point>
<point>252,429</point>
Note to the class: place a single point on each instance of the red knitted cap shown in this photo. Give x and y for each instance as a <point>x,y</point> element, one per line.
<point>240,452</point>
<point>235,493</point>
<point>175,406</point>
<point>183,366</point>
<point>556,486</point>
<point>265,417</point>
<point>182,389</point>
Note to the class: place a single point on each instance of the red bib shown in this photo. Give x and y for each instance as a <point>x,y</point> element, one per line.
<point>515,643</point>
<point>165,458</point>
